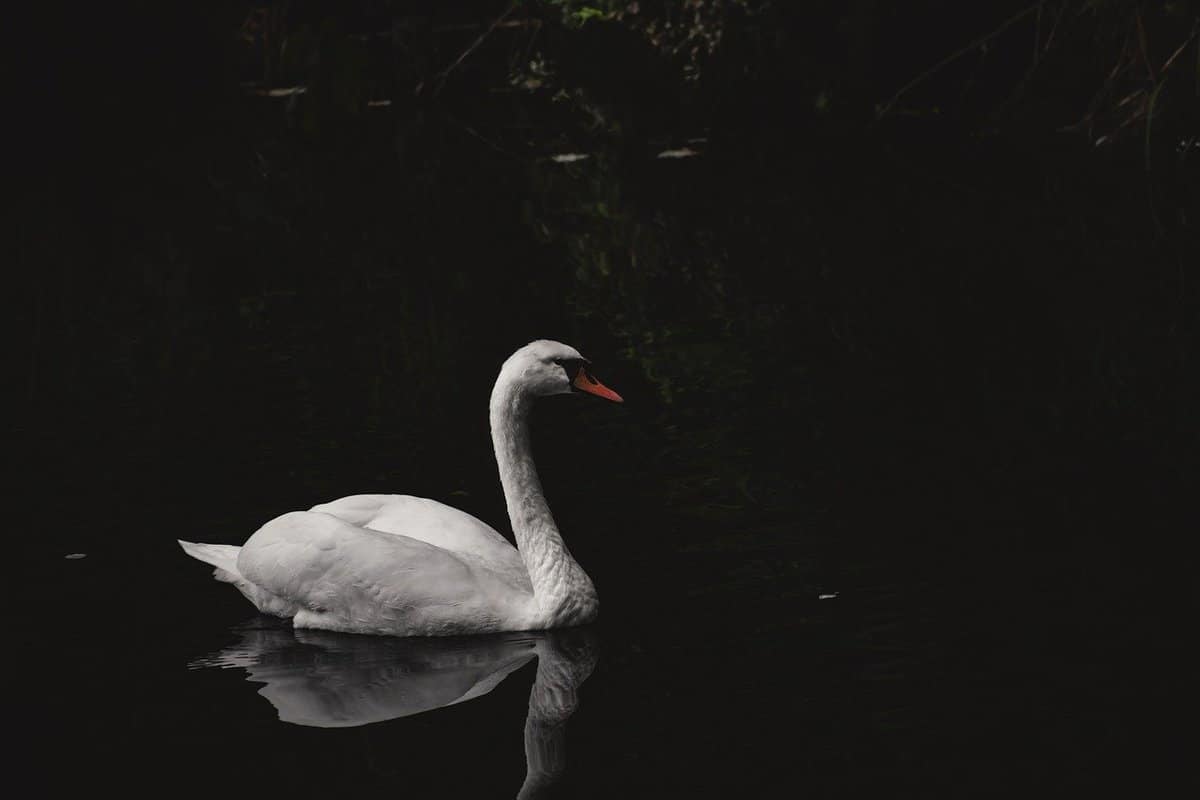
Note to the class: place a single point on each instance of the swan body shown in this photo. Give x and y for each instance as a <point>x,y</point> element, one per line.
<point>408,566</point>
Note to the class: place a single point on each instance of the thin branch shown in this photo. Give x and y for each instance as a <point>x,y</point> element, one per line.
<point>1037,38</point>
<point>1054,28</point>
<point>1158,226</point>
<point>441,79</point>
<point>484,139</point>
<point>1141,34</point>
<point>987,37</point>
<point>1167,64</point>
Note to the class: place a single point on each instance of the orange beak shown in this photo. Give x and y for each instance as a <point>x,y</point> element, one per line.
<point>586,383</point>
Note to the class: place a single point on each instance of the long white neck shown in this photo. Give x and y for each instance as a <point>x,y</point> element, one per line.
<point>563,591</point>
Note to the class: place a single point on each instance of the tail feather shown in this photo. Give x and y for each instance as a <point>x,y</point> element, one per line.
<point>222,556</point>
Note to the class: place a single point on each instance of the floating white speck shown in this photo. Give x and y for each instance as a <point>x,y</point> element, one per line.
<point>75,555</point>
<point>286,91</point>
<point>568,158</point>
<point>829,596</point>
<point>682,152</point>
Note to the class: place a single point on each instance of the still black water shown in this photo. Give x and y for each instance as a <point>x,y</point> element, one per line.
<point>892,507</point>
<point>733,655</point>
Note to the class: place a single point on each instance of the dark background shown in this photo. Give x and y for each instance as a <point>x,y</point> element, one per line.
<point>914,321</point>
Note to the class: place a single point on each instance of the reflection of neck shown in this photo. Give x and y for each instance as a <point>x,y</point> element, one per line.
<point>552,701</point>
<point>562,590</point>
<point>545,756</point>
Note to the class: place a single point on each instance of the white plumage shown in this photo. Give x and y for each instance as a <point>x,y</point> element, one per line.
<point>408,566</point>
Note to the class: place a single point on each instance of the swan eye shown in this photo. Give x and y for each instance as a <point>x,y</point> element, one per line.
<point>570,365</point>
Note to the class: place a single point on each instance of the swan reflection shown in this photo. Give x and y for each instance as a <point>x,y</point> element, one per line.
<point>333,680</point>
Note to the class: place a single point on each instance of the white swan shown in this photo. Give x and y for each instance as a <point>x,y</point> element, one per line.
<point>407,566</point>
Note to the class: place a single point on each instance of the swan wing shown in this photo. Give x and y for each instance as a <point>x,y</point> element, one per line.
<point>431,522</point>
<point>352,578</point>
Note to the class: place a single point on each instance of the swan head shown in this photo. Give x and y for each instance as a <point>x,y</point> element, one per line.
<point>545,367</point>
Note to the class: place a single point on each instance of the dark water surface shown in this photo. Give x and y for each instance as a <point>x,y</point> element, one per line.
<point>897,500</point>
<point>717,668</point>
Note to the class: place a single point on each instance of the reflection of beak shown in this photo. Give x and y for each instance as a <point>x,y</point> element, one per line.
<point>586,383</point>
